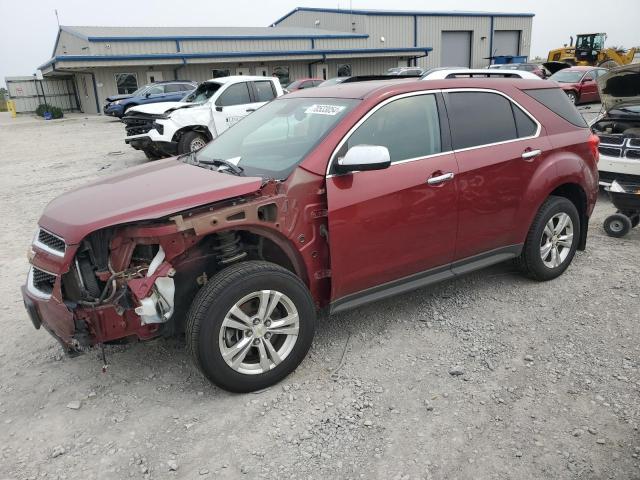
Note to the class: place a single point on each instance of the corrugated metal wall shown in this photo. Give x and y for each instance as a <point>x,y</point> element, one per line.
<point>71,45</point>
<point>524,24</point>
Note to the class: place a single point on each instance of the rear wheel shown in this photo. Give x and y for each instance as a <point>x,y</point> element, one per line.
<point>552,240</point>
<point>617,225</point>
<point>250,326</point>
<point>190,142</point>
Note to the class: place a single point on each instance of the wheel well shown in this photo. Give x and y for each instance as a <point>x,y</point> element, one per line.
<point>576,195</point>
<point>217,251</point>
<point>192,128</point>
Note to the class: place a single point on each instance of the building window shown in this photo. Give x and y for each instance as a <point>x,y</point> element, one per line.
<point>126,83</point>
<point>344,70</point>
<point>282,73</point>
<point>220,72</point>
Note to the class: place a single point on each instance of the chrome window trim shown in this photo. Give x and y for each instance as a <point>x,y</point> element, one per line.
<point>47,248</point>
<point>32,288</point>
<point>426,92</point>
<point>346,137</point>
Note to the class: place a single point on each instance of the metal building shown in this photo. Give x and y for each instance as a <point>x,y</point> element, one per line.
<point>307,42</point>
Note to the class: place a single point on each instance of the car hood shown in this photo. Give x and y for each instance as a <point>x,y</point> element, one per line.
<point>113,98</point>
<point>157,108</point>
<point>620,86</point>
<point>146,192</point>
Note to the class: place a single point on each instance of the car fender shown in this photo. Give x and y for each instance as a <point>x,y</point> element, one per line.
<point>557,169</point>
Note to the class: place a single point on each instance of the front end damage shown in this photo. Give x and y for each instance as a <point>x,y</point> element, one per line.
<point>136,281</point>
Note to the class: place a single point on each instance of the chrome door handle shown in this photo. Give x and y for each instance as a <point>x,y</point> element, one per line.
<point>445,177</point>
<point>529,154</point>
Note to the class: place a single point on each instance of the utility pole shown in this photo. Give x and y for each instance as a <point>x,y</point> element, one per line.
<point>57,19</point>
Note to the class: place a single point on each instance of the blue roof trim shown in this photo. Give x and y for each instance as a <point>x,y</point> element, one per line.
<point>226,37</point>
<point>184,56</point>
<point>399,13</point>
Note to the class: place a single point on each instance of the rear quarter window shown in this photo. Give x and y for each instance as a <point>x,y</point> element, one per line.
<point>557,101</point>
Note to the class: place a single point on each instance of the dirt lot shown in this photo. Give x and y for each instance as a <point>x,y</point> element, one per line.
<point>548,387</point>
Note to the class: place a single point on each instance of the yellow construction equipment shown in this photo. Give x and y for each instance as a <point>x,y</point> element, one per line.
<point>590,51</point>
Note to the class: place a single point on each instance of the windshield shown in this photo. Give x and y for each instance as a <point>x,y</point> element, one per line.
<point>275,138</point>
<point>203,93</point>
<point>566,77</point>
<point>293,85</point>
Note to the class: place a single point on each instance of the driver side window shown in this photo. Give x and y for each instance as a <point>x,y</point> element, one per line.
<point>237,94</point>
<point>409,127</point>
<point>155,90</point>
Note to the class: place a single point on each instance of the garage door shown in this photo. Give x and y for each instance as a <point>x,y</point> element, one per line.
<point>506,42</point>
<point>456,49</point>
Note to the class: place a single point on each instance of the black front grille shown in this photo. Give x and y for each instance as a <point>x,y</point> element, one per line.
<point>634,142</point>
<point>612,139</point>
<point>43,281</point>
<point>634,154</point>
<point>611,152</point>
<point>138,124</point>
<point>51,241</point>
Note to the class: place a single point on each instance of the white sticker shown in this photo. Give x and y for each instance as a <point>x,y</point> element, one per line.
<point>325,109</point>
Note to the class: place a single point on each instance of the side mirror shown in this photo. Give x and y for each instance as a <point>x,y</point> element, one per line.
<point>364,157</point>
<point>218,108</point>
<point>147,95</point>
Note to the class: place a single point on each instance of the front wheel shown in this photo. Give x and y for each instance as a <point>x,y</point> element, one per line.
<point>552,240</point>
<point>573,97</point>
<point>250,326</point>
<point>190,142</point>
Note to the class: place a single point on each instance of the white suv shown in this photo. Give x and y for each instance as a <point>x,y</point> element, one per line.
<point>444,73</point>
<point>170,128</point>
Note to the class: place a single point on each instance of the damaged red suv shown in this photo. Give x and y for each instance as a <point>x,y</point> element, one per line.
<point>320,201</point>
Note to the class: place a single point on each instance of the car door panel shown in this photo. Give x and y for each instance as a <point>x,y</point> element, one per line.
<point>388,224</point>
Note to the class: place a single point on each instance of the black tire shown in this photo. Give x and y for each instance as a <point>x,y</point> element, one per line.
<point>617,225</point>
<point>530,261</point>
<point>635,220</point>
<point>191,141</point>
<point>213,302</point>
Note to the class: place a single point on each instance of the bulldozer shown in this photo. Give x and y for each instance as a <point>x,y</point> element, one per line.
<point>589,50</point>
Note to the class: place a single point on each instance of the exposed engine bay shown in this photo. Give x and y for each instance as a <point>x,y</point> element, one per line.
<point>619,137</point>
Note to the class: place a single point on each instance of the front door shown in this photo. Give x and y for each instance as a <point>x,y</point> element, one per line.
<point>243,71</point>
<point>321,70</point>
<point>385,225</point>
<point>589,88</point>
<point>153,77</point>
<point>233,103</point>
<point>498,150</point>
<point>262,71</point>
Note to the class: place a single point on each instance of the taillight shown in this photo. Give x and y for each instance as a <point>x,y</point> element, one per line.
<point>594,143</point>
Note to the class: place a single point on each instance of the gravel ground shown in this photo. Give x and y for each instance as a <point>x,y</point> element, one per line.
<point>490,376</point>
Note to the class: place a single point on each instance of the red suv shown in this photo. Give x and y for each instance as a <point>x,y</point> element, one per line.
<point>320,201</point>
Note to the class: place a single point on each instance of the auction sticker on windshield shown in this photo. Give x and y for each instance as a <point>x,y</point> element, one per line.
<point>325,109</point>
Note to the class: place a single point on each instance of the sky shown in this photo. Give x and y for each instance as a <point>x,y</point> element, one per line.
<point>28,29</point>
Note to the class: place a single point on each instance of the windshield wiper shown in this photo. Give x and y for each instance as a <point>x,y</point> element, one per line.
<point>232,167</point>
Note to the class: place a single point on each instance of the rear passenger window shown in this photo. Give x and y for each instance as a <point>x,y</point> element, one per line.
<point>264,91</point>
<point>408,127</point>
<point>237,94</point>
<point>172,88</point>
<point>524,125</point>
<point>480,118</point>
<point>558,102</point>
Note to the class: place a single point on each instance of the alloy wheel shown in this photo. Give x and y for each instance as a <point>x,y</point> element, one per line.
<point>259,332</point>
<point>557,239</point>
<point>197,143</point>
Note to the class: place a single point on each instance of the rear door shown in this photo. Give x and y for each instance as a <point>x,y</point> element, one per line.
<point>498,148</point>
<point>386,225</point>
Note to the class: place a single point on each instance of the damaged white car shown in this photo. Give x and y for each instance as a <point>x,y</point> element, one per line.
<point>172,128</point>
<point>619,126</point>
